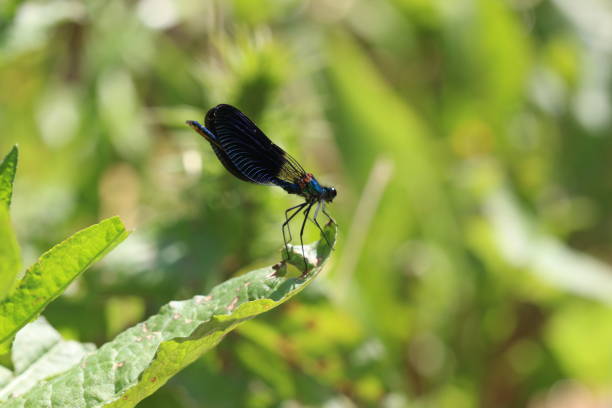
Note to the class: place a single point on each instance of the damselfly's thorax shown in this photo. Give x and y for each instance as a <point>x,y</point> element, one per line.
<point>305,181</point>
<point>313,191</point>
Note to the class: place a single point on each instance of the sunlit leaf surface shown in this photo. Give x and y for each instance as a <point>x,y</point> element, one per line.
<point>8,167</point>
<point>144,357</point>
<point>55,270</point>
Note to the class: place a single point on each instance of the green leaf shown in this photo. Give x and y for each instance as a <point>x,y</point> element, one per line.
<point>40,352</point>
<point>10,260</point>
<point>53,272</point>
<point>8,168</point>
<point>141,359</point>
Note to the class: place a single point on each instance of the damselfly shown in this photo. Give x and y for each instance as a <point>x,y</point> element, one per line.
<point>248,154</point>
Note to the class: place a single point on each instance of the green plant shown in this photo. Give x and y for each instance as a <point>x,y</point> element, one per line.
<point>51,372</point>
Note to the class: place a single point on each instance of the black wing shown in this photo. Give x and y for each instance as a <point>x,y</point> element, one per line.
<point>246,151</point>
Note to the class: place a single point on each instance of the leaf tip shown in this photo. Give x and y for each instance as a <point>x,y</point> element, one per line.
<point>12,156</point>
<point>117,222</point>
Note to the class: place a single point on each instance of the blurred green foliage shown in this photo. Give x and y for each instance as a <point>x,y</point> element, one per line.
<point>469,141</point>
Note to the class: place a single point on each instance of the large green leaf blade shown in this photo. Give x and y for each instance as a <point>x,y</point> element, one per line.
<point>39,352</point>
<point>10,259</point>
<point>8,168</point>
<point>53,272</point>
<point>141,359</point>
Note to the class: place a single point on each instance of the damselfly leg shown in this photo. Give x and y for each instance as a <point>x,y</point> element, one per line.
<point>306,212</point>
<point>288,218</point>
<point>320,205</point>
<point>290,214</point>
<point>329,216</point>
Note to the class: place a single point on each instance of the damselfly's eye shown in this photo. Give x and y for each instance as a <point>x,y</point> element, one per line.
<point>331,193</point>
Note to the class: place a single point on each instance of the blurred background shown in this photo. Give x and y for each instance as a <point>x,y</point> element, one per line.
<point>470,144</point>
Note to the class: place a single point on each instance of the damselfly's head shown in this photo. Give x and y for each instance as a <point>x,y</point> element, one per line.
<point>329,193</point>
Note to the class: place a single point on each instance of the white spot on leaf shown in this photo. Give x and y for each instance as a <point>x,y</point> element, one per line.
<point>232,305</point>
